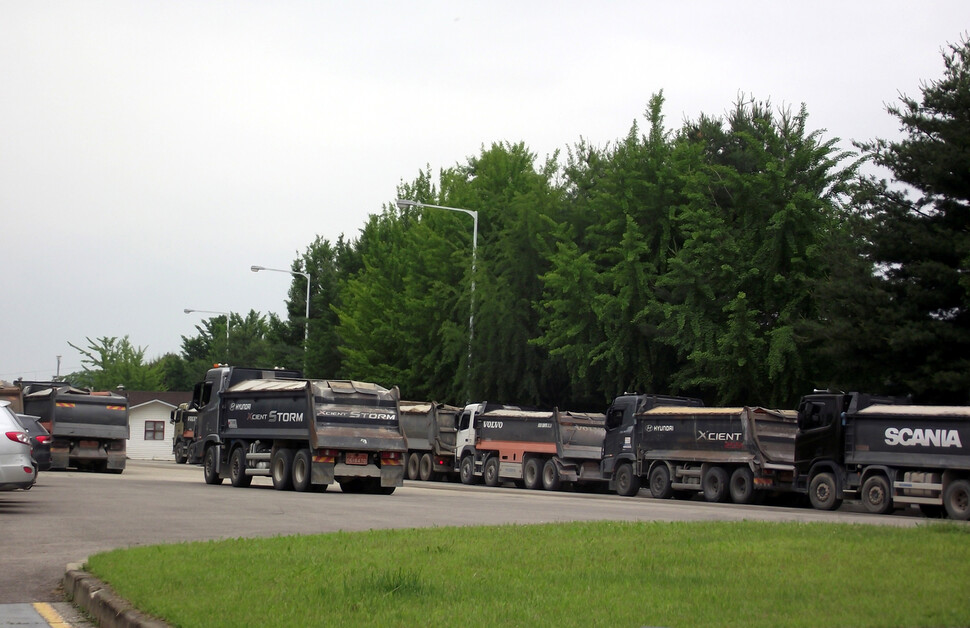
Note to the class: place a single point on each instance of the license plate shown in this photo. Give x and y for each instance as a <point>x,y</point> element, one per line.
<point>356,459</point>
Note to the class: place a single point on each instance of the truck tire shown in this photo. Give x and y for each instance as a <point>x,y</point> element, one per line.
<point>823,492</point>
<point>414,462</point>
<point>490,472</point>
<point>237,469</point>
<point>532,474</point>
<point>426,468</point>
<point>956,498</point>
<point>551,480</point>
<point>181,456</point>
<point>741,486</point>
<point>715,485</point>
<point>626,481</point>
<point>876,495</point>
<point>660,482</point>
<point>467,470</point>
<point>209,467</point>
<point>281,465</point>
<point>302,463</point>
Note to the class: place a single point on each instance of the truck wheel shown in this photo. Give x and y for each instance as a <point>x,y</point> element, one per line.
<point>660,482</point>
<point>532,474</point>
<point>823,493</point>
<point>876,496</point>
<point>627,482</point>
<point>180,454</point>
<point>426,468</point>
<point>302,463</point>
<point>490,472</point>
<point>209,467</point>
<point>282,466</point>
<point>467,470</point>
<point>413,464</point>
<point>551,481</point>
<point>741,486</point>
<point>956,498</point>
<point>237,469</point>
<point>715,485</point>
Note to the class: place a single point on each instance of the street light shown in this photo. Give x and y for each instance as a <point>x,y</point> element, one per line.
<point>402,203</point>
<point>228,316</point>
<point>306,322</point>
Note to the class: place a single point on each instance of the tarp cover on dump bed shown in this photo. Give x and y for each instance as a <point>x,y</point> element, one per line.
<point>356,415</point>
<point>78,412</point>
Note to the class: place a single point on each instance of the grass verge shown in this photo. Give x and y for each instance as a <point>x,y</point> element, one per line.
<point>574,574</point>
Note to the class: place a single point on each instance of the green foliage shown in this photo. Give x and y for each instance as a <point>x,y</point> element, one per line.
<point>112,362</point>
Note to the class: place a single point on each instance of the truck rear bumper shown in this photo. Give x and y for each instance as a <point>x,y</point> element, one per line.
<point>327,472</point>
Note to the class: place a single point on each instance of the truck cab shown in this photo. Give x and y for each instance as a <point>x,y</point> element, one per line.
<point>207,397</point>
<point>619,444</point>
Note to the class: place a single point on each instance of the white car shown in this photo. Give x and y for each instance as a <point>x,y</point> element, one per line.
<point>17,469</point>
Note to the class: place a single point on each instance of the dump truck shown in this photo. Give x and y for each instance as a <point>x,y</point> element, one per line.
<point>429,428</point>
<point>305,434</point>
<point>89,430</point>
<point>724,453</point>
<point>184,420</point>
<point>534,448</point>
<point>885,452</point>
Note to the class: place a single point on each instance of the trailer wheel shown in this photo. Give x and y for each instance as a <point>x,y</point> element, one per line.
<point>467,470</point>
<point>237,469</point>
<point>282,465</point>
<point>490,472</point>
<point>532,473</point>
<point>413,464</point>
<point>209,467</point>
<point>823,493</point>
<point>301,470</point>
<point>426,468</point>
<point>551,480</point>
<point>659,482</point>
<point>742,486</point>
<point>715,485</point>
<point>627,482</point>
<point>956,498</point>
<point>876,496</point>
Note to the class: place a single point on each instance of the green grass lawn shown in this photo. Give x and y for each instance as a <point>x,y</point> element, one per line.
<point>574,574</point>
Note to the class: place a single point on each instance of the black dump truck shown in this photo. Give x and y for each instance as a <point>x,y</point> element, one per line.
<point>429,428</point>
<point>535,448</point>
<point>184,433</point>
<point>304,434</point>
<point>885,452</point>
<point>89,430</point>
<point>724,453</point>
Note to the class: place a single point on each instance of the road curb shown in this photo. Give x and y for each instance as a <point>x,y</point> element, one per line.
<point>98,600</point>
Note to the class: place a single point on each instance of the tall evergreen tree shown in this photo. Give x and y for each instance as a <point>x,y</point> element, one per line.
<point>919,240</point>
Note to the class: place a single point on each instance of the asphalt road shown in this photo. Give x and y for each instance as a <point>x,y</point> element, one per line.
<point>68,516</point>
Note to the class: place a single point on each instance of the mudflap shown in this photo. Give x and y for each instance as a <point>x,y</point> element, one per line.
<point>116,463</point>
<point>321,473</point>
<point>392,475</point>
<point>60,458</point>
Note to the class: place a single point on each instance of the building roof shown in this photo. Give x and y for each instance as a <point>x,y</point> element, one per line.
<point>169,397</point>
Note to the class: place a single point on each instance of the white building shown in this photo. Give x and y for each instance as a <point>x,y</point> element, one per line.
<point>150,432</point>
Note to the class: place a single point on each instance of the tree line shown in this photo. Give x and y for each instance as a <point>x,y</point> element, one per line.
<point>742,258</point>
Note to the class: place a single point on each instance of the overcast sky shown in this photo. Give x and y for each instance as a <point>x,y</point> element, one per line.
<point>151,152</point>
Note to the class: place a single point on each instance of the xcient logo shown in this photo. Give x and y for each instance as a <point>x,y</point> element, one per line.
<point>279,417</point>
<point>919,437</point>
<point>719,436</point>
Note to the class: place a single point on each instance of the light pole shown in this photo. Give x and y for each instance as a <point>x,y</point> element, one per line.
<point>306,322</point>
<point>402,203</point>
<point>228,316</point>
